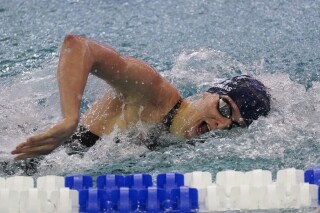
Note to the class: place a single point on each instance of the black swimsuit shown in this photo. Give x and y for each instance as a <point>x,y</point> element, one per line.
<point>84,136</point>
<point>88,139</point>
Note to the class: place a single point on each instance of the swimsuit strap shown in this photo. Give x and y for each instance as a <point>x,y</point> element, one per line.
<point>167,120</point>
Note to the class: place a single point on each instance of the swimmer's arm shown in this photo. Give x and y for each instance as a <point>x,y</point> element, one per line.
<point>80,56</point>
<point>135,79</point>
<point>129,76</point>
<point>75,63</point>
<point>132,77</point>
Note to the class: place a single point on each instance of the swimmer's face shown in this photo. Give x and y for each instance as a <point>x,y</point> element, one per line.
<point>210,112</point>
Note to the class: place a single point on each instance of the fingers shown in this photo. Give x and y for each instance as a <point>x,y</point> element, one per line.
<point>40,139</point>
<point>22,145</point>
<point>33,151</point>
<point>14,152</point>
<point>28,143</point>
<point>24,156</point>
<point>19,148</point>
<point>45,142</point>
<point>36,139</point>
<point>27,149</point>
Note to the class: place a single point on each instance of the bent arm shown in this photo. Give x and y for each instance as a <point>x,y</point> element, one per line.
<point>132,77</point>
<point>80,56</point>
<point>73,69</point>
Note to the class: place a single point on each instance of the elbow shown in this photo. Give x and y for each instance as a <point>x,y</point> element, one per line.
<point>72,40</point>
<point>71,37</point>
<point>77,45</point>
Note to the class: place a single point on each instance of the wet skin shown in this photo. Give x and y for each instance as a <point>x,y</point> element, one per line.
<point>202,115</point>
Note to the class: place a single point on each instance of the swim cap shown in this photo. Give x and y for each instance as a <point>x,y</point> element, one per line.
<point>250,95</point>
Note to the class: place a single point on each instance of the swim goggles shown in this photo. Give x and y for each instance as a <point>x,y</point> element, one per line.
<point>225,110</point>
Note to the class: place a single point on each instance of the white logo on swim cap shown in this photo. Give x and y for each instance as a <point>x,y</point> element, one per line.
<point>224,85</point>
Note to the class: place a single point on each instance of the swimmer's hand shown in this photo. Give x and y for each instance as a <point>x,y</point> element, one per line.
<point>45,142</point>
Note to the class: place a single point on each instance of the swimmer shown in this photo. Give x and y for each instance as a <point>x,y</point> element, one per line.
<point>139,93</point>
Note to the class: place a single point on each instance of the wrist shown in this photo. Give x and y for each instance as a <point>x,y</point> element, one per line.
<point>72,122</point>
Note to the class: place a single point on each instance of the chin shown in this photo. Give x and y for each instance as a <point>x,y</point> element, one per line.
<point>190,134</point>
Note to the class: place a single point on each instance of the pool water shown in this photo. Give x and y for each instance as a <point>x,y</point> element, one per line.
<point>191,43</point>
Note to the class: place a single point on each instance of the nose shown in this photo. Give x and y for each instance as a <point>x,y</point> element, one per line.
<point>224,126</point>
<point>221,123</point>
<point>217,124</point>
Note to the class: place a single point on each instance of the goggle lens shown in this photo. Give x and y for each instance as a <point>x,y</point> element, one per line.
<point>224,108</point>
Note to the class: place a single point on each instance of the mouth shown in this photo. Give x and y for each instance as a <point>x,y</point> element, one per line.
<point>203,128</point>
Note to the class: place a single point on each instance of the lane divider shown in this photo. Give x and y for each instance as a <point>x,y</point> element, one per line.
<point>172,192</point>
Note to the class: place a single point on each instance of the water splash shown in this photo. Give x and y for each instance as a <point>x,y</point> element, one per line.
<point>288,137</point>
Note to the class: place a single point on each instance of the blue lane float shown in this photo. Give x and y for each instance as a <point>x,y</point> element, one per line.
<point>117,193</point>
<point>138,181</point>
<point>110,181</point>
<point>78,182</point>
<point>312,176</point>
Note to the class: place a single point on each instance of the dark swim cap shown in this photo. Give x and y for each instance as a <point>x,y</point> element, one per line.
<point>250,95</point>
